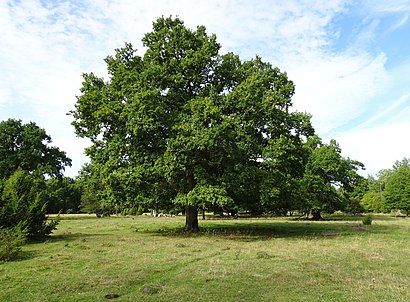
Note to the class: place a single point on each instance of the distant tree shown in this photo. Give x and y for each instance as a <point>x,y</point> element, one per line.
<point>397,191</point>
<point>63,195</point>
<point>26,146</point>
<point>373,202</point>
<point>354,206</point>
<point>328,176</point>
<point>373,198</point>
<point>183,125</point>
<point>92,193</point>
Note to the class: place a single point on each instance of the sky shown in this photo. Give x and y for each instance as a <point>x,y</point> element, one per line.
<point>349,60</point>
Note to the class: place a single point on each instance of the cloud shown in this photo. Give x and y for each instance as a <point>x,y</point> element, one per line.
<point>377,147</point>
<point>47,45</point>
<point>381,6</point>
<point>336,89</point>
<point>385,113</point>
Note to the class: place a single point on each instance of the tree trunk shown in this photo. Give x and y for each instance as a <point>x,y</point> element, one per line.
<point>203,212</point>
<point>316,215</point>
<point>191,218</point>
<point>191,211</point>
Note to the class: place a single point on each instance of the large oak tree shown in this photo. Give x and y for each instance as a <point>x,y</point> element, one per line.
<point>184,124</point>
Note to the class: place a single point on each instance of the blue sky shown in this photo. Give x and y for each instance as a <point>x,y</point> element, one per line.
<point>349,60</point>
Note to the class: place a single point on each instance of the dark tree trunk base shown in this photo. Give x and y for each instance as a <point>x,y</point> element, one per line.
<point>191,220</point>
<point>316,215</point>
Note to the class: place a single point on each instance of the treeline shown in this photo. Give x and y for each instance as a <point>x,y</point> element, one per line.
<point>390,190</point>
<point>32,179</point>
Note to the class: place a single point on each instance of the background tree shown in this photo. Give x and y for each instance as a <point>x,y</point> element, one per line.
<point>63,195</point>
<point>397,191</point>
<point>25,160</point>
<point>92,200</point>
<point>185,125</point>
<point>26,146</point>
<point>328,179</point>
<point>373,200</point>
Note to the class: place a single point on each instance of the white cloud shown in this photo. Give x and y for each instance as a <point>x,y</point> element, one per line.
<point>336,89</point>
<point>46,45</point>
<point>382,6</point>
<point>377,147</point>
<point>386,112</point>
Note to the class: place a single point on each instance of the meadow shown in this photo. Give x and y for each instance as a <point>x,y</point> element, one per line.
<point>260,259</point>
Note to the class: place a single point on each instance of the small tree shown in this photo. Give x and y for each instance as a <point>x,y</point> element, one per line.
<point>23,205</point>
<point>11,240</point>
<point>91,189</point>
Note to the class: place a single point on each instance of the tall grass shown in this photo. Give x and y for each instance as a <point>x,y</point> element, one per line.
<point>152,259</point>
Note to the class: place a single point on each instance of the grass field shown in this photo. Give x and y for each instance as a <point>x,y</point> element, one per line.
<point>266,259</point>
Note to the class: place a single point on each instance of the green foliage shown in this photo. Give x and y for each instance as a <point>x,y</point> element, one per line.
<point>23,205</point>
<point>354,206</point>
<point>92,193</point>
<point>328,178</point>
<point>397,191</point>
<point>25,146</point>
<point>11,240</point>
<point>184,123</point>
<point>89,202</point>
<point>390,191</point>
<point>63,195</point>
<point>25,160</point>
<point>367,220</point>
<point>373,202</point>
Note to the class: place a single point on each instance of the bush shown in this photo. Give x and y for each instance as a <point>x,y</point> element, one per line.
<point>354,207</point>
<point>367,220</point>
<point>23,205</point>
<point>11,241</point>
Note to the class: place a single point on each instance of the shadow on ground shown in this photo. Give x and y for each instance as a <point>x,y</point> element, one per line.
<point>249,230</point>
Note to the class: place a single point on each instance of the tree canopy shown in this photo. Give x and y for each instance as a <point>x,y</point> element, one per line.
<point>329,177</point>
<point>390,191</point>
<point>397,190</point>
<point>186,125</point>
<point>26,146</point>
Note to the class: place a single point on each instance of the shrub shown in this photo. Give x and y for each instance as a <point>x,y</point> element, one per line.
<point>367,220</point>
<point>23,205</point>
<point>11,241</point>
<point>354,207</point>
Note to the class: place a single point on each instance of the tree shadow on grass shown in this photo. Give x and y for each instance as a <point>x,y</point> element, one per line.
<point>249,231</point>
<point>68,236</point>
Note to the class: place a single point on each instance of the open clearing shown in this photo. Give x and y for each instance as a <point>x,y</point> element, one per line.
<point>266,259</point>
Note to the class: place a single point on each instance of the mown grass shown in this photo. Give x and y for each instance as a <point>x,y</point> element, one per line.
<point>266,259</point>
